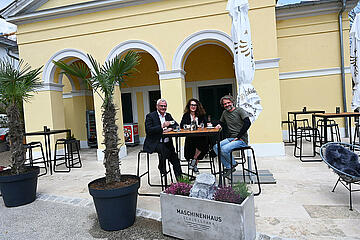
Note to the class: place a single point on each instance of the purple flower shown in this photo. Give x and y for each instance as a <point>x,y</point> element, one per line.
<point>179,188</point>
<point>227,194</point>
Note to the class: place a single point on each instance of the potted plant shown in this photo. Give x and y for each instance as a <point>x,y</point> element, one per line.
<point>17,83</point>
<point>115,195</point>
<point>230,214</point>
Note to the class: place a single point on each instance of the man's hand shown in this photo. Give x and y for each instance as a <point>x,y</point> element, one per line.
<point>165,124</point>
<point>218,126</point>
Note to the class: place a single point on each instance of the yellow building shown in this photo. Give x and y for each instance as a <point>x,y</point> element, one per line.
<point>186,52</point>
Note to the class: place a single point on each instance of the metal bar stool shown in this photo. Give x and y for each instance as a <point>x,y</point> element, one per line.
<point>38,160</point>
<point>290,128</point>
<point>334,130</point>
<point>67,159</point>
<point>163,177</point>
<point>306,133</point>
<point>246,171</point>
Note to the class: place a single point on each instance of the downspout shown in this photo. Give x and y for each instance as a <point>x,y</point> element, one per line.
<point>342,64</point>
<point>9,54</point>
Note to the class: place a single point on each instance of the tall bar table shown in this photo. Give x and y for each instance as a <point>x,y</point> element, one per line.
<point>327,116</point>
<point>46,135</point>
<point>202,132</point>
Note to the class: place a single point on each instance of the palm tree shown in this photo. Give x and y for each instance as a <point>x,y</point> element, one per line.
<point>103,80</point>
<point>17,83</point>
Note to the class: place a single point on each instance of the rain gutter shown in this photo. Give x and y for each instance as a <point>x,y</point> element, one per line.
<point>342,63</point>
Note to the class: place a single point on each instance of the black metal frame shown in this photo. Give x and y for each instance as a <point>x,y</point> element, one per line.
<point>30,146</point>
<point>163,177</point>
<point>344,178</point>
<point>46,133</point>
<point>68,156</point>
<point>246,172</point>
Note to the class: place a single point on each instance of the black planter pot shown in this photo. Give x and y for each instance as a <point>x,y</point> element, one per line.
<point>116,208</point>
<point>18,190</point>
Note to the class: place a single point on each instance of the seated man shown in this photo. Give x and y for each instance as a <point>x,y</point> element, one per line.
<point>238,122</point>
<point>156,123</point>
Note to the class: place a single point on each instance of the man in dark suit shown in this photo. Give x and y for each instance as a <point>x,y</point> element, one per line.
<point>156,123</point>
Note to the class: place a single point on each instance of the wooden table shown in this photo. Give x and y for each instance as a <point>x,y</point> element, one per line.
<point>46,135</point>
<point>327,116</point>
<point>201,132</point>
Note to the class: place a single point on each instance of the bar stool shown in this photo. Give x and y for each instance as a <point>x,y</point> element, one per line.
<point>290,127</point>
<point>246,171</point>
<point>163,177</point>
<point>356,134</point>
<point>70,158</point>
<point>38,160</point>
<point>306,133</point>
<point>334,130</point>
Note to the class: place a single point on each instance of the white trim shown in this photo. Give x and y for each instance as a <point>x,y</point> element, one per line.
<point>182,49</point>
<point>267,63</point>
<point>311,9</point>
<point>312,73</point>
<point>50,87</point>
<point>138,44</point>
<point>268,149</point>
<point>49,68</point>
<point>163,75</point>
<point>100,154</point>
<point>78,93</point>
<point>73,10</point>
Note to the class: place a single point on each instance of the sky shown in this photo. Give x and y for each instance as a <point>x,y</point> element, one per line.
<point>6,27</point>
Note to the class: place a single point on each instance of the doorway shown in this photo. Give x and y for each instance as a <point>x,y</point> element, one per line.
<point>210,96</point>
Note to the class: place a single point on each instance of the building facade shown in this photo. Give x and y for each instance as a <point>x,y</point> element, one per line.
<point>186,51</point>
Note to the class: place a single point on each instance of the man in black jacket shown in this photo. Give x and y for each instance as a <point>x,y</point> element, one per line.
<point>156,123</point>
<point>238,122</point>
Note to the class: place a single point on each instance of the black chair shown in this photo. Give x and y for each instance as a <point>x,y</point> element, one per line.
<point>38,161</point>
<point>70,158</point>
<point>247,171</point>
<point>345,178</point>
<point>290,128</point>
<point>306,133</point>
<point>334,130</point>
<point>163,177</point>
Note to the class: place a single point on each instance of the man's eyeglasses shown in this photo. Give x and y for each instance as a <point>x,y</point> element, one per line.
<point>163,106</point>
<point>193,105</point>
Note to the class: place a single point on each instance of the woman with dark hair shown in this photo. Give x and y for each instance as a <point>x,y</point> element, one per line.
<point>195,147</point>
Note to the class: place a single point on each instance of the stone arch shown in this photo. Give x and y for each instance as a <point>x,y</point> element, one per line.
<point>138,44</point>
<point>49,68</point>
<point>200,38</point>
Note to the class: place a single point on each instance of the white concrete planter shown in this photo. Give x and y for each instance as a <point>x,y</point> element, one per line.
<point>194,218</point>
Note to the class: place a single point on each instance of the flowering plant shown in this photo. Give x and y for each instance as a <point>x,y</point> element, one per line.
<point>179,188</point>
<point>228,194</point>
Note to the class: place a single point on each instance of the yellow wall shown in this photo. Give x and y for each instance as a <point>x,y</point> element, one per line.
<point>146,74</point>
<point>209,62</point>
<point>140,112</point>
<point>164,25</point>
<point>317,47</point>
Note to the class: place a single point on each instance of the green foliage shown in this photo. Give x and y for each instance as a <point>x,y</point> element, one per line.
<point>184,179</point>
<point>17,82</point>
<point>242,189</point>
<point>103,79</point>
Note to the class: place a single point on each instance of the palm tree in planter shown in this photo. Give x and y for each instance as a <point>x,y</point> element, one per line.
<point>17,83</point>
<point>114,213</point>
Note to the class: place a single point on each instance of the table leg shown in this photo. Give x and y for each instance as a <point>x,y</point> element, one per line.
<point>350,140</point>
<point>49,146</point>
<point>325,131</point>
<point>221,177</point>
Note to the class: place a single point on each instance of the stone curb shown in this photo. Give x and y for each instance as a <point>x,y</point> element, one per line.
<point>83,202</point>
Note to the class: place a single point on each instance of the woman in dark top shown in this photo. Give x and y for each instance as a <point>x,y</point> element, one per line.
<point>195,147</point>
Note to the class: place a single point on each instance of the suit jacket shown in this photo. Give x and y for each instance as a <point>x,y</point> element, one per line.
<point>154,130</point>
